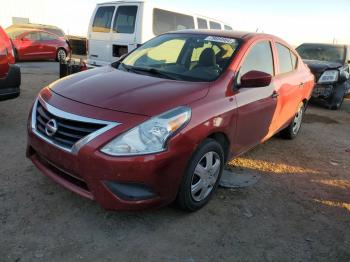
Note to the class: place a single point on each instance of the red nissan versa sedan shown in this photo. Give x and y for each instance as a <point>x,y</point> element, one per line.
<point>160,124</point>
<point>34,44</point>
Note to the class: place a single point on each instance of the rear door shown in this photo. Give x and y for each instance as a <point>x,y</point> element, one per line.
<point>289,85</point>
<point>256,105</point>
<point>48,45</point>
<point>124,30</point>
<point>100,37</point>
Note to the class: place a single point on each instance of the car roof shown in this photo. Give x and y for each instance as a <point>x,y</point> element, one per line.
<point>225,33</point>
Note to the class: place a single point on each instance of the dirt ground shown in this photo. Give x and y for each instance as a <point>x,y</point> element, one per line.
<point>298,211</point>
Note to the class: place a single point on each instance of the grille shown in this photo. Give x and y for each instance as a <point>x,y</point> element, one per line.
<point>68,131</point>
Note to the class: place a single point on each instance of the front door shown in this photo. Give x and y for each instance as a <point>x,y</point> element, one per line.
<point>256,106</point>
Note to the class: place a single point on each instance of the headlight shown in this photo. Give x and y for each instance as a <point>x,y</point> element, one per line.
<point>329,77</point>
<point>151,136</point>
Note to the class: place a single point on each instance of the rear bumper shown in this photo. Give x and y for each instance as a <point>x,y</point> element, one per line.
<point>10,86</point>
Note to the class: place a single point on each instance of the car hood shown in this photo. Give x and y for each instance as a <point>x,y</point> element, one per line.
<point>109,88</point>
<point>321,66</point>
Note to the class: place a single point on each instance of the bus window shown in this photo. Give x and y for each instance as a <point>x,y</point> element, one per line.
<point>103,19</point>
<point>165,21</point>
<point>214,25</point>
<point>202,23</point>
<point>124,21</point>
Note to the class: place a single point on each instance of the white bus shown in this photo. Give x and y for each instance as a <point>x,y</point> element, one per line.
<point>117,28</point>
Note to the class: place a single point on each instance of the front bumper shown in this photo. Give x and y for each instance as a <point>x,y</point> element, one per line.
<point>322,91</point>
<point>116,183</point>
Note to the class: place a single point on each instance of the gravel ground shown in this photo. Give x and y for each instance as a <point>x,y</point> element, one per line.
<point>298,211</point>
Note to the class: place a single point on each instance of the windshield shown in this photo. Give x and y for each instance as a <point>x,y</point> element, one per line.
<point>328,53</point>
<point>182,57</point>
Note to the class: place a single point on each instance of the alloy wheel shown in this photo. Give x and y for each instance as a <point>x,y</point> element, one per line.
<point>61,55</point>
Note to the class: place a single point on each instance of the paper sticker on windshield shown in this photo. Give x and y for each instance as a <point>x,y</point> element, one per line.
<point>220,39</point>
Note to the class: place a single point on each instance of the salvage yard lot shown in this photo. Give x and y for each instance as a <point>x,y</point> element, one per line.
<point>298,211</point>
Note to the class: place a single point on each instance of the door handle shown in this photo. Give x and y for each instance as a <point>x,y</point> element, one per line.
<point>275,94</point>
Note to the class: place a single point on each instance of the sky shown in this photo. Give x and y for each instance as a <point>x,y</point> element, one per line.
<point>296,21</point>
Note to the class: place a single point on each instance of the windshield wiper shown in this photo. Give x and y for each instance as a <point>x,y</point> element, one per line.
<point>152,71</point>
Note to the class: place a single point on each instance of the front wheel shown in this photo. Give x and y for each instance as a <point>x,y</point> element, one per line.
<point>202,176</point>
<point>291,131</point>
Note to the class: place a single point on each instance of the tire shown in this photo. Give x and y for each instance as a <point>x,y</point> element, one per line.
<point>61,54</point>
<point>197,187</point>
<point>291,131</point>
<point>337,99</point>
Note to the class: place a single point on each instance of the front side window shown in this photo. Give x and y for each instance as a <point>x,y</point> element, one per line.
<point>227,27</point>
<point>287,60</point>
<point>103,19</point>
<point>125,19</point>
<point>33,36</point>
<point>166,21</point>
<point>214,25</point>
<point>259,58</point>
<point>202,23</point>
<point>183,57</point>
<point>322,52</point>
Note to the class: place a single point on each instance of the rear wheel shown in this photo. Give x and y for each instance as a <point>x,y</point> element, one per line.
<point>61,55</point>
<point>202,176</point>
<point>291,131</point>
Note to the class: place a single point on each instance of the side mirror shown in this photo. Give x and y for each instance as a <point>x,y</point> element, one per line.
<point>255,79</point>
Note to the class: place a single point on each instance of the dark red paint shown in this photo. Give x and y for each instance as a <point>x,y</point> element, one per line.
<point>245,116</point>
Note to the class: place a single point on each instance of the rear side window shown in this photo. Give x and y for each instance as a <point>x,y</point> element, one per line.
<point>46,37</point>
<point>103,19</point>
<point>287,60</point>
<point>214,25</point>
<point>165,21</point>
<point>227,27</point>
<point>202,23</point>
<point>124,21</point>
<point>259,58</point>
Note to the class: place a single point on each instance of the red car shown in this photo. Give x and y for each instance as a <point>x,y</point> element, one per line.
<point>160,124</point>
<point>10,74</point>
<point>34,44</point>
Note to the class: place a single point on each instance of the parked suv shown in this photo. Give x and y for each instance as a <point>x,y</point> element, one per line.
<point>161,123</point>
<point>10,74</point>
<point>34,44</point>
<point>330,65</point>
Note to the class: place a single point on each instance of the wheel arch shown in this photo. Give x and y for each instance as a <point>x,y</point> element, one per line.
<point>223,140</point>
